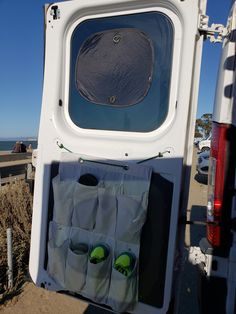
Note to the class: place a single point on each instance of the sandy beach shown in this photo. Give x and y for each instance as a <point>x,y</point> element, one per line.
<point>37,300</point>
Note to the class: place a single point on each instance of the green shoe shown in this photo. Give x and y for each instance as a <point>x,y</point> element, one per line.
<point>125,263</point>
<point>98,254</point>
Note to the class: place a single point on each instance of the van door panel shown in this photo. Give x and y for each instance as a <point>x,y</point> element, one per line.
<point>153,131</point>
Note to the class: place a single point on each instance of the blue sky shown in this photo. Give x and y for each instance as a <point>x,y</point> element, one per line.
<point>21,64</point>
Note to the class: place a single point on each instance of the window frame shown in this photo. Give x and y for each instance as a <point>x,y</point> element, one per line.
<point>173,91</point>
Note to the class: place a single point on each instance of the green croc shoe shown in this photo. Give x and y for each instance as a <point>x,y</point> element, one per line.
<point>125,263</point>
<point>98,254</point>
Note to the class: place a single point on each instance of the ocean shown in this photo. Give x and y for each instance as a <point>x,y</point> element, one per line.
<point>8,145</point>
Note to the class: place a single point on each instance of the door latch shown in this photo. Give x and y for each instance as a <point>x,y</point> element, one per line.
<point>55,12</point>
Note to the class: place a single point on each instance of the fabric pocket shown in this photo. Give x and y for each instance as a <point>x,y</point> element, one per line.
<point>123,292</point>
<point>131,216</point>
<point>98,275</point>
<point>76,266</point>
<point>85,202</point>
<point>57,252</point>
<point>77,259</point>
<point>106,213</point>
<point>63,192</point>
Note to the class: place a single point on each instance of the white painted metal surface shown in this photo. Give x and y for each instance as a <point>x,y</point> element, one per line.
<point>224,111</point>
<point>175,134</point>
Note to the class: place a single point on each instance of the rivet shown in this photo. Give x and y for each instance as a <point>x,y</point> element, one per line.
<point>112,99</point>
<point>117,38</point>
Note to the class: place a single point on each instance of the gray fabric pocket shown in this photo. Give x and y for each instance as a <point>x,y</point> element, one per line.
<point>123,292</point>
<point>131,216</point>
<point>98,275</point>
<point>106,213</point>
<point>85,201</point>
<point>63,200</point>
<point>77,259</point>
<point>76,267</point>
<point>57,252</point>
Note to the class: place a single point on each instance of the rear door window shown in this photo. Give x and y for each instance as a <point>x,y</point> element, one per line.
<point>120,72</point>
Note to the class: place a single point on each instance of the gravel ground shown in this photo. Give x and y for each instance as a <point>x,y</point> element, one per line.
<point>196,211</point>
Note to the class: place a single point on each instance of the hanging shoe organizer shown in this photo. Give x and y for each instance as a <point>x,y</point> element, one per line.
<point>98,203</point>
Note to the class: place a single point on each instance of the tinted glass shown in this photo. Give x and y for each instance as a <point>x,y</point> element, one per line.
<point>149,109</point>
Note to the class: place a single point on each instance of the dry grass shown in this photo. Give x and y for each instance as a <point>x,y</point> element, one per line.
<point>15,211</point>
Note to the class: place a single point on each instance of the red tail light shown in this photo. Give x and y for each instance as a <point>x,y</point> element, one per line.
<point>216,182</point>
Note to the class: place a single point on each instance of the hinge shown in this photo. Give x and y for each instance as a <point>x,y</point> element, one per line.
<point>196,256</point>
<point>215,33</point>
<point>231,223</point>
<point>212,265</point>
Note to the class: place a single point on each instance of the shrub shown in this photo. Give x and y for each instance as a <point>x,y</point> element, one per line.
<point>15,212</point>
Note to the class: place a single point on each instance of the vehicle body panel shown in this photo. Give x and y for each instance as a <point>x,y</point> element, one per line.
<point>224,111</point>
<point>223,257</point>
<point>204,145</point>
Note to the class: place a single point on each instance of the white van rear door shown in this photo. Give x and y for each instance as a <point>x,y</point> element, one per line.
<point>120,95</point>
